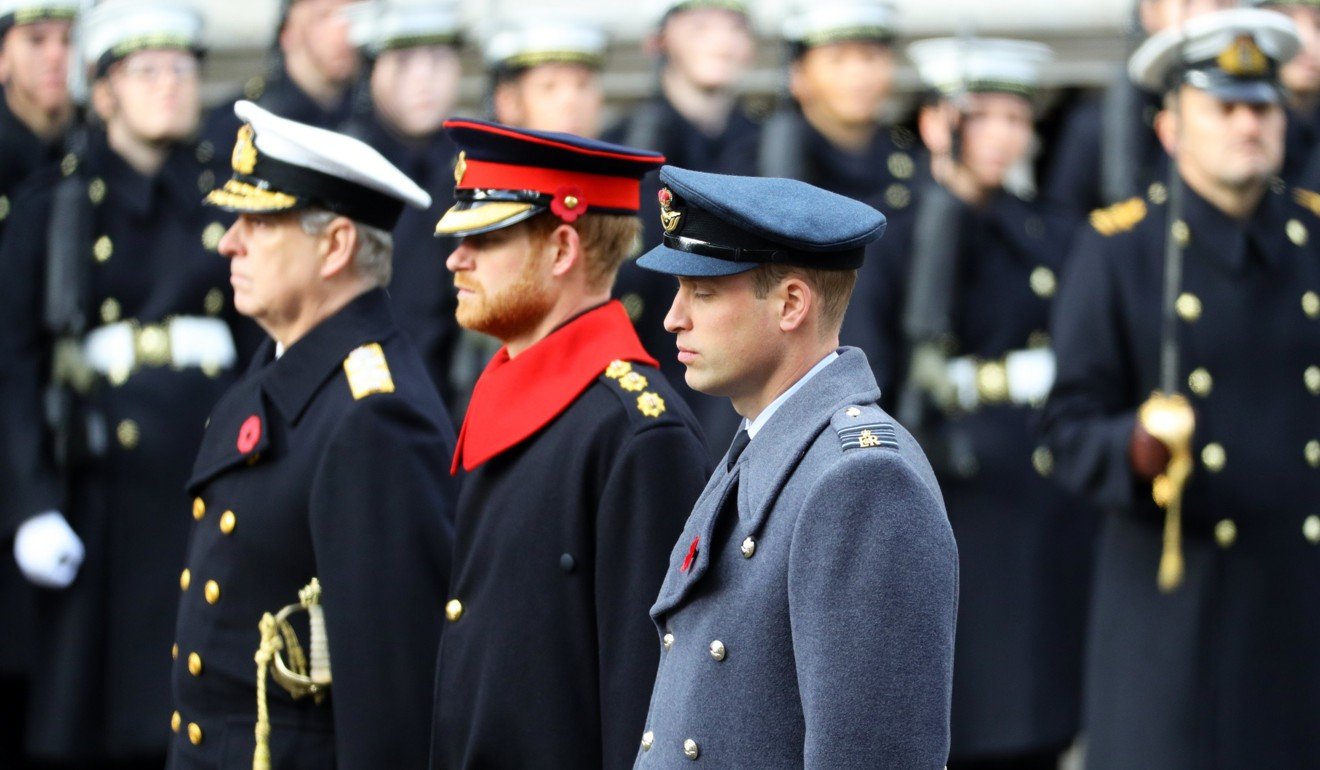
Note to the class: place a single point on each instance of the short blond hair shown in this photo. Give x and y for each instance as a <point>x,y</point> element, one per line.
<point>832,287</point>
<point>607,240</point>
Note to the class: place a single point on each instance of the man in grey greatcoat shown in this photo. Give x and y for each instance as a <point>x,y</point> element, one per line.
<point>807,614</point>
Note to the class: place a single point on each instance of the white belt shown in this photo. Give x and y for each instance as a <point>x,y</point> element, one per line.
<point>118,349</point>
<point>1021,377</point>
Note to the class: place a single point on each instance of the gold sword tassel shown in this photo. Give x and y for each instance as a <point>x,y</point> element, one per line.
<point>1169,418</point>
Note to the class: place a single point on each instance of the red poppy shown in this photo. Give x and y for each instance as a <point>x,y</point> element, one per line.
<point>568,203</point>
<point>691,554</point>
<point>249,433</point>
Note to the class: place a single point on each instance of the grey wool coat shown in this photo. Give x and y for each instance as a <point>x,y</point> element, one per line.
<point>807,614</point>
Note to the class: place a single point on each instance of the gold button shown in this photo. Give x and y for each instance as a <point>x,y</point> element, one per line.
<point>1226,533</point>
<point>1313,453</point>
<point>667,641</point>
<point>1311,530</point>
<point>211,236</point>
<point>205,180</point>
<point>103,248</point>
<point>648,740</point>
<point>1312,379</point>
<point>96,190</point>
<point>227,522</point>
<point>748,547</point>
<point>4,207</point>
<point>992,382</point>
<point>128,434</point>
<point>1200,382</point>
<point>1296,232</point>
<point>175,722</point>
<point>1182,234</point>
<point>195,733</point>
<point>68,164</point>
<point>1043,282</point>
<point>1043,460</point>
<point>194,664</point>
<point>901,165</point>
<point>199,508</point>
<point>174,651</point>
<point>185,578</point>
<point>1214,457</point>
<point>898,196</point>
<point>214,302</point>
<point>690,749</point>
<point>1311,304</point>
<point>454,610</point>
<point>571,201</point>
<point>1188,307</point>
<point>1157,193</point>
<point>110,310</point>
<point>212,592</point>
<point>717,650</point>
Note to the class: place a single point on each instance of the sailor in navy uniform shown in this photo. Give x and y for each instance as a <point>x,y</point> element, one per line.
<point>411,52</point>
<point>581,461</point>
<point>1301,81</point>
<point>1214,666</point>
<point>992,264</point>
<point>322,469</point>
<point>807,613</point>
<point>545,74</point>
<point>96,494</point>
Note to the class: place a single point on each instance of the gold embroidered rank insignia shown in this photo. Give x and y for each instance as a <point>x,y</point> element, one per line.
<point>633,382</point>
<point>1243,58</point>
<point>244,159</point>
<point>650,404</point>
<point>617,369</point>
<point>669,218</point>
<point>1308,199</point>
<point>1120,217</point>
<point>367,372</point>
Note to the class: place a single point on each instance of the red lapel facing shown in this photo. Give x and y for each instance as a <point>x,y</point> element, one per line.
<point>516,397</point>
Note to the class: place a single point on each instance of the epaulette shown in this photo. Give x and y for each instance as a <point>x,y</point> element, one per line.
<point>1307,199</point>
<point>864,427</point>
<point>635,386</point>
<point>1120,217</point>
<point>367,371</point>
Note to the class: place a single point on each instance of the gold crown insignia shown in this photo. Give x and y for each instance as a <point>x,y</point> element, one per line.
<point>1243,58</point>
<point>669,218</point>
<point>244,159</point>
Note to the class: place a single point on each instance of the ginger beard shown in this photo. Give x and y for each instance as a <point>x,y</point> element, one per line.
<point>508,311</point>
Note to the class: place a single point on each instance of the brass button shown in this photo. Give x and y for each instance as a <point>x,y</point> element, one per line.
<point>1312,379</point>
<point>227,522</point>
<point>110,310</point>
<point>205,180</point>
<point>1311,530</point>
<point>212,592</point>
<point>1313,453</point>
<point>96,190</point>
<point>1043,282</point>
<point>648,740</point>
<point>1311,304</point>
<point>667,641</point>
<point>1043,460</point>
<point>748,547</point>
<point>898,196</point>
<point>199,508</point>
<point>901,165</point>
<point>1213,457</point>
<point>175,722</point>
<point>194,664</point>
<point>68,164</point>
<point>992,382</point>
<point>571,201</point>
<point>453,610</point>
<point>1181,233</point>
<point>1200,382</point>
<point>1157,193</point>
<point>690,749</point>
<point>174,651</point>
<point>211,236</point>
<point>4,208</point>
<point>1188,307</point>
<point>103,249</point>
<point>128,434</point>
<point>717,650</point>
<point>195,733</point>
<point>185,578</point>
<point>1296,232</point>
<point>214,302</point>
<point>1226,533</point>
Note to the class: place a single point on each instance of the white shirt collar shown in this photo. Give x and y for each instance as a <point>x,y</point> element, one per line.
<point>765,415</point>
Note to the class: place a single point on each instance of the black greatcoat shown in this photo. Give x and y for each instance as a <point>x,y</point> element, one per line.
<point>102,658</point>
<point>1223,672</point>
<point>562,543</point>
<point>300,477</point>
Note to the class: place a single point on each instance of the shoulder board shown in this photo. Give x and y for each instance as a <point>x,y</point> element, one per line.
<point>636,386</point>
<point>367,371</point>
<point>1307,199</point>
<point>1120,217</point>
<point>864,427</point>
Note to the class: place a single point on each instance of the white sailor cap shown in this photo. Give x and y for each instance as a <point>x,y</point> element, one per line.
<point>116,28</point>
<point>1234,54</point>
<point>524,45</point>
<point>282,165</point>
<point>382,25</point>
<point>977,65</point>
<point>16,12</point>
<point>671,7</point>
<point>812,24</point>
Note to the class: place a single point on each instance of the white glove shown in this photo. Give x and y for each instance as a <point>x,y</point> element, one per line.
<point>48,551</point>
<point>961,373</point>
<point>1030,375</point>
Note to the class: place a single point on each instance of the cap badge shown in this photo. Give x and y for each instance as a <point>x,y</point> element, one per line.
<point>244,159</point>
<point>568,204</point>
<point>1243,58</point>
<point>669,218</point>
<point>460,168</point>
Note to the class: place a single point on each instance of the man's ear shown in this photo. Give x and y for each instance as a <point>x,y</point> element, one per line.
<point>565,247</point>
<point>1166,125</point>
<point>337,245</point>
<point>797,82</point>
<point>104,103</point>
<point>507,104</point>
<point>796,300</point>
<point>933,125</point>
